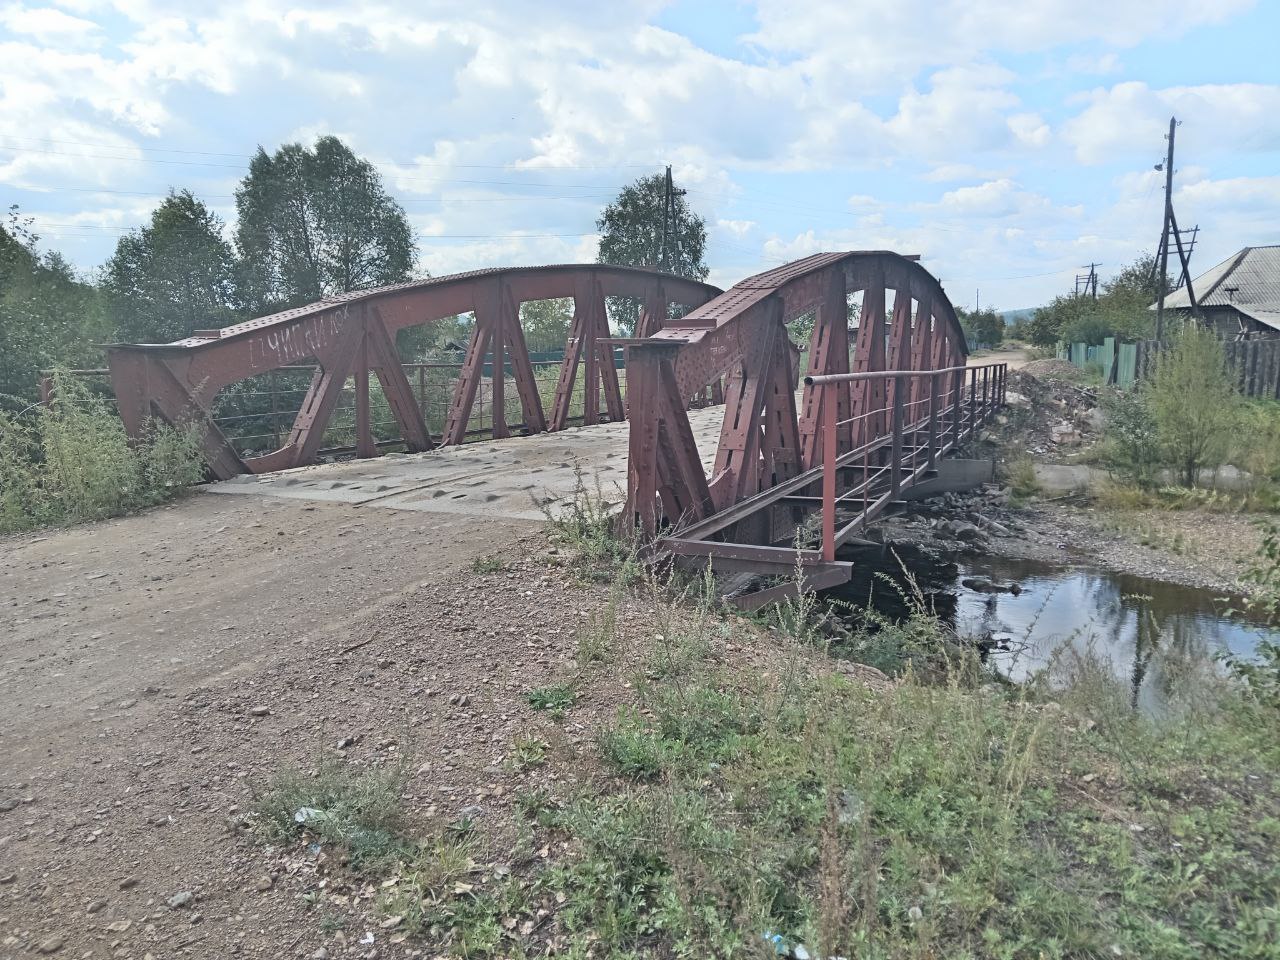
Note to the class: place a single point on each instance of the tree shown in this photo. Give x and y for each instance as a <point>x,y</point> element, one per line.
<point>48,316</point>
<point>1193,403</point>
<point>317,222</point>
<point>546,323</point>
<point>631,232</point>
<point>984,327</point>
<point>172,277</point>
<point>1119,311</point>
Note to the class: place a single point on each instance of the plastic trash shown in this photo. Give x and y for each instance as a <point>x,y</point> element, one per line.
<point>779,945</point>
<point>307,815</point>
<point>367,938</point>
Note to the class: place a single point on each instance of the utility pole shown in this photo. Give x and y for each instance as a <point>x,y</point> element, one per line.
<point>1170,227</point>
<point>1088,281</point>
<point>670,237</point>
<point>1163,259</point>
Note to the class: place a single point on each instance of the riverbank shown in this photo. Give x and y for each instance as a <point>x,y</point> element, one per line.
<point>695,783</point>
<point>1192,547</point>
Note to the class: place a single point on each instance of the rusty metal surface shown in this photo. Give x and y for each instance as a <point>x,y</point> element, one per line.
<point>888,420</point>
<point>349,335</point>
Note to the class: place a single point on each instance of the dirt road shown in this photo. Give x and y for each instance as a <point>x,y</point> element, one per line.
<point>155,669</point>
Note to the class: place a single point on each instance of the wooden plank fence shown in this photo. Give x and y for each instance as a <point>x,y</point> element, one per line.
<point>1254,364</point>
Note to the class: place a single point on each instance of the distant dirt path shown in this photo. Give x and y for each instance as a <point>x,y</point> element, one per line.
<point>156,667</point>
<point>1015,357</point>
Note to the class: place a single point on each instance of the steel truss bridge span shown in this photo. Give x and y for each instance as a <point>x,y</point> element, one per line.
<point>881,402</point>
<point>352,335</point>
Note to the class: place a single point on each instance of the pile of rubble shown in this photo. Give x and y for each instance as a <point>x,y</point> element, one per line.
<point>1048,415</point>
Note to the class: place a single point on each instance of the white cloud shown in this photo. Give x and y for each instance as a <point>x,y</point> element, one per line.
<point>515,126</point>
<point>1216,118</point>
<point>737,228</point>
<point>48,25</point>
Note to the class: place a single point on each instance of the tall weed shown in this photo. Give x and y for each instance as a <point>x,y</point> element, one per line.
<point>73,462</point>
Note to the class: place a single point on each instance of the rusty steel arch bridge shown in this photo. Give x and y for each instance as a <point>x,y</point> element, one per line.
<point>886,390</point>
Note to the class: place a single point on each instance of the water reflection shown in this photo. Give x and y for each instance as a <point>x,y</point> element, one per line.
<point>1121,618</point>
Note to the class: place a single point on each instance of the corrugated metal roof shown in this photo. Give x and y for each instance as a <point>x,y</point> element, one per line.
<point>1250,278</point>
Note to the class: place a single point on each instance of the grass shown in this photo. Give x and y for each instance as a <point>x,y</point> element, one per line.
<point>1021,476</point>
<point>555,699</point>
<point>932,820</point>
<point>490,564</point>
<point>527,752</point>
<point>72,462</point>
<point>734,804</point>
<point>355,810</point>
<point>586,526</point>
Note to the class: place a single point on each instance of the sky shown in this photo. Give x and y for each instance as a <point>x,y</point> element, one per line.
<point>1009,143</point>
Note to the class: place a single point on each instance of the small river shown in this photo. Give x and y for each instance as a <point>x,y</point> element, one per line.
<point>1116,615</point>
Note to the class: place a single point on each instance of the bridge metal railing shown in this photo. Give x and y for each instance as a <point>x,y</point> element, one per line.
<point>925,414</point>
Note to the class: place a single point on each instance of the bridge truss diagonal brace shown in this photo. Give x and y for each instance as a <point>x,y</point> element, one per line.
<point>747,442</point>
<point>147,388</point>
<point>385,360</point>
<point>336,363</point>
<point>590,326</point>
<point>496,332</point>
<point>828,354</point>
<point>664,463</point>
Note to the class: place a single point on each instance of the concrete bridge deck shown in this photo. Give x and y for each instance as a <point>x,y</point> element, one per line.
<point>509,478</point>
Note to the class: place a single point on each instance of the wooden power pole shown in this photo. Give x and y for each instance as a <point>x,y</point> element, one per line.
<point>1170,228</point>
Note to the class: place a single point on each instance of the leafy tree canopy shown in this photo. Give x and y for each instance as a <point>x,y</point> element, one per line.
<point>1120,310</point>
<point>318,222</point>
<point>546,323</point>
<point>172,277</point>
<point>631,236</point>
<point>47,315</point>
<point>981,326</point>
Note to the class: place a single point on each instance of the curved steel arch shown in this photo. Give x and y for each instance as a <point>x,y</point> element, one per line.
<point>741,334</point>
<point>353,334</point>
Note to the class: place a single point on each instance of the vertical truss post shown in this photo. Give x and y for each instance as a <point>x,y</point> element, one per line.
<point>642,442</point>
<point>829,453</point>
<point>895,457</point>
<point>933,420</point>
<point>899,357</point>
<point>869,395</point>
<point>365,447</point>
<point>828,354</point>
<point>497,322</point>
<point>591,358</point>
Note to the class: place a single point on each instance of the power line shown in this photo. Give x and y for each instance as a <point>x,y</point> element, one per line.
<point>439,163</point>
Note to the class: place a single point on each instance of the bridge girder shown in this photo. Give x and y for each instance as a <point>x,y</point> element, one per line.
<point>353,334</point>
<point>741,335</point>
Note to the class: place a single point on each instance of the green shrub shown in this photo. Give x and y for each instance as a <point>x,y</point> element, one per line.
<point>1131,444</point>
<point>72,462</point>
<point>1193,404</point>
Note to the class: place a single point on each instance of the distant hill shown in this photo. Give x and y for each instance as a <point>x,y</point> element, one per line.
<point>1010,317</point>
